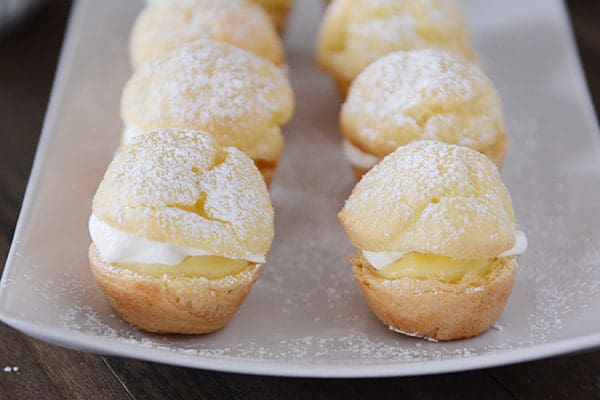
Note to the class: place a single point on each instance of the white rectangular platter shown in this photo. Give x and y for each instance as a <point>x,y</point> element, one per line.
<point>306,315</point>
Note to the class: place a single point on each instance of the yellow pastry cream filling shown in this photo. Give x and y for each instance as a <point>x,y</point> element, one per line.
<point>210,267</point>
<point>430,266</point>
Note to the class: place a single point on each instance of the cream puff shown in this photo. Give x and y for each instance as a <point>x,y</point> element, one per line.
<point>278,10</point>
<point>180,227</point>
<point>436,240</point>
<point>355,33</point>
<point>164,26</point>
<point>241,99</point>
<point>421,95</point>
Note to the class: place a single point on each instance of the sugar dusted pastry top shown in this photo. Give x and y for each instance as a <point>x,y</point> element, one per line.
<point>354,33</point>
<point>238,97</point>
<point>422,94</point>
<point>277,9</point>
<point>165,25</point>
<point>181,187</point>
<point>433,198</point>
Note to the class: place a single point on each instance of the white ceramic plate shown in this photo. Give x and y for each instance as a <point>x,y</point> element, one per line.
<point>306,316</point>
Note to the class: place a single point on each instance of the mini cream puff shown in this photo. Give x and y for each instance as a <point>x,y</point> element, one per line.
<point>179,228</point>
<point>278,10</point>
<point>417,95</point>
<point>437,245</point>
<point>354,33</point>
<point>241,99</point>
<point>164,26</point>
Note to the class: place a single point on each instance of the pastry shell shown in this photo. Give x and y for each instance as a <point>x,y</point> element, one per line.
<point>170,304</point>
<point>434,309</point>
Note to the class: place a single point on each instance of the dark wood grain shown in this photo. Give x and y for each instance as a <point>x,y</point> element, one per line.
<point>584,15</point>
<point>182,383</point>
<point>50,372</point>
<point>28,57</point>
<point>574,377</point>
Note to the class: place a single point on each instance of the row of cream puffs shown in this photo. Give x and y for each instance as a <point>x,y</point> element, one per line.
<point>211,65</point>
<point>408,72</point>
<point>182,220</point>
<point>432,222</point>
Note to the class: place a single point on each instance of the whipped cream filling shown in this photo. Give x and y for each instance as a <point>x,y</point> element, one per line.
<point>357,157</point>
<point>116,246</point>
<point>519,247</point>
<point>381,259</point>
<point>130,132</point>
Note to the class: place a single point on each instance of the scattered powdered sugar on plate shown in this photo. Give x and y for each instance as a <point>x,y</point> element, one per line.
<point>305,308</point>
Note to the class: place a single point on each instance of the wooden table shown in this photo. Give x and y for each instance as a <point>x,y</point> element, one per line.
<point>28,55</point>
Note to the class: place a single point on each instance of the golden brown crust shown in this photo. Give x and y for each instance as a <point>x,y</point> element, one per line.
<point>278,11</point>
<point>279,19</point>
<point>433,309</point>
<point>280,22</point>
<point>343,86</point>
<point>267,170</point>
<point>172,304</point>
<point>358,172</point>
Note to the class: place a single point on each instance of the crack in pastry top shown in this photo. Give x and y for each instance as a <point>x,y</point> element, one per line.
<point>181,187</point>
<point>238,97</point>
<point>422,94</point>
<point>432,198</point>
<point>163,26</point>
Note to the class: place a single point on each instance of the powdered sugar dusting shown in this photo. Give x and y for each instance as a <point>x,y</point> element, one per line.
<point>165,25</point>
<point>181,187</point>
<point>424,94</point>
<point>240,98</point>
<point>306,313</point>
<point>435,198</point>
<point>355,34</point>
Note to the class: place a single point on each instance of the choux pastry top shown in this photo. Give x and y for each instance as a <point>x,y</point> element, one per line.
<point>239,98</point>
<point>175,194</point>
<point>421,94</point>
<point>432,198</point>
<point>164,26</point>
<point>354,33</point>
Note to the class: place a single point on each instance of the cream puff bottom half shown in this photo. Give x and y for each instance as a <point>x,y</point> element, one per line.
<point>434,309</point>
<point>172,304</point>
